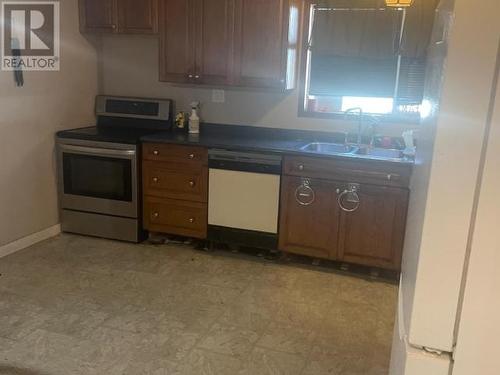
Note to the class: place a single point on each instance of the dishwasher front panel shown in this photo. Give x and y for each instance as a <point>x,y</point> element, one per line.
<point>244,200</point>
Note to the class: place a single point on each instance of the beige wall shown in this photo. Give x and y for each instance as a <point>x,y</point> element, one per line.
<point>130,67</point>
<point>29,117</point>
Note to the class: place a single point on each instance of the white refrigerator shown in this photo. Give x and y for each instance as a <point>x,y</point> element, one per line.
<point>450,243</point>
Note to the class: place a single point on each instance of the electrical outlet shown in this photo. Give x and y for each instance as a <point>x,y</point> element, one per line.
<point>218,96</point>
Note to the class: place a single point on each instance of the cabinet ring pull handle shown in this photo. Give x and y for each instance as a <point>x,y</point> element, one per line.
<point>355,200</point>
<point>305,191</point>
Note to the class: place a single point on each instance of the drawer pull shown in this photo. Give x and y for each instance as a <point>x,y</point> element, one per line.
<point>192,184</point>
<point>156,152</point>
<point>300,167</point>
<point>156,180</point>
<point>351,196</point>
<point>192,220</point>
<point>305,195</point>
<point>191,156</point>
<point>155,215</point>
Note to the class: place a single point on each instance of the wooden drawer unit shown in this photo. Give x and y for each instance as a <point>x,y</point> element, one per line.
<point>362,171</point>
<point>194,156</point>
<point>163,179</point>
<point>175,187</point>
<point>171,216</point>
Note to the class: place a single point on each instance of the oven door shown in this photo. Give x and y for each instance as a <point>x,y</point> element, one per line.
<point>98,179</point>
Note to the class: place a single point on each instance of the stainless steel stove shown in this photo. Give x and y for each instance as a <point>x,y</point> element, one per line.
<point>99,168</point>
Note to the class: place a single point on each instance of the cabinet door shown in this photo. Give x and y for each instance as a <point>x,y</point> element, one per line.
<point>138,17</point>
<point>372,233</point>
<point>309,217</point>
<point>98,15</point>
<point>214,39</point>
<point>177,49</point>
<point>259,46</point>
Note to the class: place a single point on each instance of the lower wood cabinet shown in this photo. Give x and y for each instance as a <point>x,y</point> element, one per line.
<point>354,222</point>
<point>361,220</point>
<point>373,233</point>
<point>309,217</point>
<point>175,188</point>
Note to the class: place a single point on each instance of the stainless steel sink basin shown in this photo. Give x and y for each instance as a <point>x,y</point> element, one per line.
<point>329,148</point>
<point>381,153</point>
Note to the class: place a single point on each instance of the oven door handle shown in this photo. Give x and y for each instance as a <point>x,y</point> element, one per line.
<point>97,151</point>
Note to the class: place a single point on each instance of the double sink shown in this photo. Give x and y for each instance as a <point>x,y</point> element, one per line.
<point>354,150</point>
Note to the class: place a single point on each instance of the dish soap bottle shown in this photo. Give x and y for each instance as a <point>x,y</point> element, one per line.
<point>194,120</point>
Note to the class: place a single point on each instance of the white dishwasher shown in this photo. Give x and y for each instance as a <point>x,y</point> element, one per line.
<point>243,198</point>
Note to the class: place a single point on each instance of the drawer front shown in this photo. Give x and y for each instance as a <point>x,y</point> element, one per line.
<point>175,217</point>
<point>175,153</point>
<point>362,171</point>
<point>161,179</point>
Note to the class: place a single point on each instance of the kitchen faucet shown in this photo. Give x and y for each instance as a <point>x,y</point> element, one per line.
<point>360,121</point>
<point>374,122</point>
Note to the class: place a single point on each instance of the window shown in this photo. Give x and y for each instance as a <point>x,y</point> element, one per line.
<point>360,53</point>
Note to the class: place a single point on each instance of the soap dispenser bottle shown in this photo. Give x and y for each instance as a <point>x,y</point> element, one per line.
<point>194,119</point>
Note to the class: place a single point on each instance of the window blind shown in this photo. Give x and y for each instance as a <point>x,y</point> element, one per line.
<point>356,51</point>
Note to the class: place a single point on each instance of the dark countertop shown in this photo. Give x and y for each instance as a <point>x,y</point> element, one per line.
<point>248,138</point>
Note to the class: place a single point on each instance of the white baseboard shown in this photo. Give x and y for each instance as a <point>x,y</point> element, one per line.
<point>27,241</point>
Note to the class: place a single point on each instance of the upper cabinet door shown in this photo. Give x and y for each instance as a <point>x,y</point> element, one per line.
<point>214,38</point>
<point>138,16</point>
<point>177,41</point>
<point>98,15</point>
<point>262,42</point>
<point>372,226</point>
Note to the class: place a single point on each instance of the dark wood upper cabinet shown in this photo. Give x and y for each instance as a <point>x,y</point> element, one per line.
<point>266,43</point>
<point>119,16</point>
<point>98,16</point>
<point>309,217</point>
<point>195,41</point>
<point>373,233</point>
<point>177,37</point>
<point>247,43</point>
<point>214,38</point>
<point>138,17</point>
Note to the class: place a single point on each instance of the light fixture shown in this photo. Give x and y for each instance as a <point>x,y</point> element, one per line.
<point>398,3</point>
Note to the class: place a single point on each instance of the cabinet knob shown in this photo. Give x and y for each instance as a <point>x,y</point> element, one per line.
<point>155,215</point>
<point>389,177</point>
<point>156,152</point>
<point>300,167</point>
<point>191,156</point>
<point>192,183</point>
<point>113,27</point>
<point>156,180</point>
<point>197,76</point>
<point>191,220</point>
<point>190,76</point>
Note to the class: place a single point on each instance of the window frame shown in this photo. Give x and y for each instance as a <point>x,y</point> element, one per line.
<point>305,62</point>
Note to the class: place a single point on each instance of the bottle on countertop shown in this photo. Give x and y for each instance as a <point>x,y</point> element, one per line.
<point>194,119</point>
<point>181,121</point>
<point>410,149</point>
